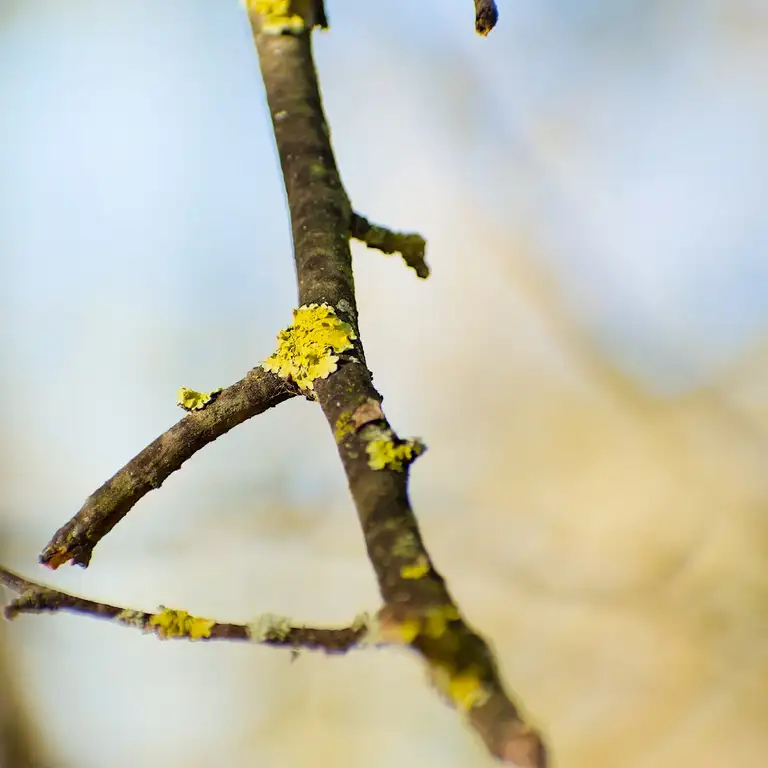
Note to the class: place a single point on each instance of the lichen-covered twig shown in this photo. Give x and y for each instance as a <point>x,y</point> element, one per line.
<point>419,611</point>
<point>411,246</point>
<point>486,16</point>
<point>258,391</point>
<point>167,623</point>
<point>320,354</point>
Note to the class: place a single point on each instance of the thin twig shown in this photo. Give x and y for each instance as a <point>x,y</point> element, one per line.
<point>411,246</point>
<point>169,624</point>
<point>486,16</point>
<point>258,391</point>
<point>419,611</point>
<point>418,605</point>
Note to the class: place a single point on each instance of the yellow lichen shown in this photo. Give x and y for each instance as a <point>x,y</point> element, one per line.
<point>399,632</point>
<point>431,624</point>
<point>437,619</point>
<point>389,628</point>
<point>309,348</point>
<point>172,623</point>
<point>277,16</point>
<point>416,570</point>
<point>269,626</point>
<point>190,400</point>
<point>385,453</point>
<point>345,426</point>
<point>464,689</point>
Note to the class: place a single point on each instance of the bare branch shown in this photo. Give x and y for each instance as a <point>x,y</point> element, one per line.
<point>486,16</point>
<point>419,609</point>
<point>258,391</point>
<point>172,624</point>
<point>409,245</point>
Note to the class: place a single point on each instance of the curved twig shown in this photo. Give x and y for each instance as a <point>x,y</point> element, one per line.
<point>258,391</point>
<point>268,629</point>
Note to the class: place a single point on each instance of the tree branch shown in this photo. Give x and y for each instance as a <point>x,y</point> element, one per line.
<point>419,611</point>
<point>411,246</point>
<point>268,629</point>
<point>257,392</point>
<point>486,16</point>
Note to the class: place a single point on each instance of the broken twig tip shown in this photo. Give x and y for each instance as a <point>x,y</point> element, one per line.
<point>486,16</point>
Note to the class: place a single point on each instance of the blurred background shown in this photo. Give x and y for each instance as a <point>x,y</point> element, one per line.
<point>588,365</point>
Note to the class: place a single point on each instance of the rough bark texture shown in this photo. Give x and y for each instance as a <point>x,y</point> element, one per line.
<point>321,218</point>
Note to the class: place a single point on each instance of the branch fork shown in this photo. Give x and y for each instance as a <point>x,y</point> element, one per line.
<point>321,357</point>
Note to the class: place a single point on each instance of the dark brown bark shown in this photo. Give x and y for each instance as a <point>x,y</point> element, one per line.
<point>321,219</point>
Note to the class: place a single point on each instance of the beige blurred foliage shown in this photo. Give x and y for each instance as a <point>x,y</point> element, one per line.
<point>629,537</point>
<point>614,544</point>
<point>19,734</point>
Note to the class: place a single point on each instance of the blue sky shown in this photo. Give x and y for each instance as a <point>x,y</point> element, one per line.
<point>140,184</point>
